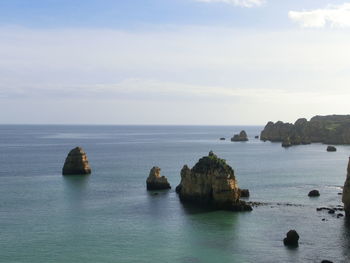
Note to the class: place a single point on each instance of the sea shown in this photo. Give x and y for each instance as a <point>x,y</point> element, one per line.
<point>109,216</point>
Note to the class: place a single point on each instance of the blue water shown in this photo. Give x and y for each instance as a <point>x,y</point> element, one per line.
<point>110,217</point>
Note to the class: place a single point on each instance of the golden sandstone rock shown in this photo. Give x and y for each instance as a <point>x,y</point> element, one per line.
<point>211,182</point>
<point>76,163</point>
<point>155,181</point>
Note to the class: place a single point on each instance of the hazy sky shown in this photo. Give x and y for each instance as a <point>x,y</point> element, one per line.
<point>173,61</point>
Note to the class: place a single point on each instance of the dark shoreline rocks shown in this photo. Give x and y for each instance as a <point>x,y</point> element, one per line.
<point>211,182</point>
<point>286,142</point>
<point>76,163</point>
<point>292,239</point>
<point>330,129</point>
<point>241,137</point>
<point>244,193</point>
<point>155,181</point>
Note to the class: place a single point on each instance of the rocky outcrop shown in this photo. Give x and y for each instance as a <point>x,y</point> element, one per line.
<point>241,137</point>
<point>292,239</point>
<point>331,149</point>
<point>211,182</point>
<point>286,142</point>
<point>346,192</point>
<point>314,193</point>
<point>244,193</point>
<point>330,129</point>
<point>76,163</point>
<point>155,181</point>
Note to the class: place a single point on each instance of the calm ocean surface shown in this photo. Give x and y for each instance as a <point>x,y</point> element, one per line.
<point>110,217</point>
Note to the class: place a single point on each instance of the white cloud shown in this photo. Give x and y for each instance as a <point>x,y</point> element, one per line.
<point>242,3</point>
<point>333,15</point>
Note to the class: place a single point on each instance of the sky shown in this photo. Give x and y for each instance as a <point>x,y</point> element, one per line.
<point>173,62</point>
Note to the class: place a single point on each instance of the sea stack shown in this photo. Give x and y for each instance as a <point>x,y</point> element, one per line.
<point>346,193</point>
<point>155,181</point>
<point>241,137</point>
<point>76,163</point>
<point>211,182</point>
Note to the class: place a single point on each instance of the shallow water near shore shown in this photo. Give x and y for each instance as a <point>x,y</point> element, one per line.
<point>110,217</point>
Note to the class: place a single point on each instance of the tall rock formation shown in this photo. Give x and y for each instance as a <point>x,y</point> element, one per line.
<point>76,163</point>
<point>331,129</point>
<point>211,182</point>
<point>346,192</point>
<point>155,181</point>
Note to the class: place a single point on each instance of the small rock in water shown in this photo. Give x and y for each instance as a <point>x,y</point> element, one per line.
<point>340,193</point>
<point>222,139</point>
<point>340,215</point>
<point>257,137</point>
<point>326,261</point>
<point>241,137</point>
<point>292,239</point>
<point>331,149</point>
<point>314,193</point>
<point>331,211</point>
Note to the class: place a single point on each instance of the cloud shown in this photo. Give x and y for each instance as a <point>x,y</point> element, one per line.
<point>333,15</point>
<point>242,3</point>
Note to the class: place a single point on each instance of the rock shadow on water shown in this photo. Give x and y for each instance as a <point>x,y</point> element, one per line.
<point>75,188</point>
<point>195,208</point>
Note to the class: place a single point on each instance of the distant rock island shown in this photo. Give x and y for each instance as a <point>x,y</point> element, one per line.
<point>155,181</point>
<point>76,163</point>
<point>330,129</point>
<point>241,137</point>
<point>211,182</point>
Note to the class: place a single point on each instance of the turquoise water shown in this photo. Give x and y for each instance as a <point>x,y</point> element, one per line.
<point>110,217</point>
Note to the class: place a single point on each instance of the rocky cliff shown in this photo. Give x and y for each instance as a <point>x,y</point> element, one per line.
<point>331,129</point>
<point>346,192</point>
<point>155,181</point>
<point>211,182</point>
<point>76,163</point>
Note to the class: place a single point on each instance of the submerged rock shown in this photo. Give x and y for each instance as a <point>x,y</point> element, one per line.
<point>241,137</point>
<point>292,239</point>
<point>331,149</point>
<point>76,163</point>
<point>346,192</point>
<point>155,181</point>
<point>211,182</point>
<point>314,193</point>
